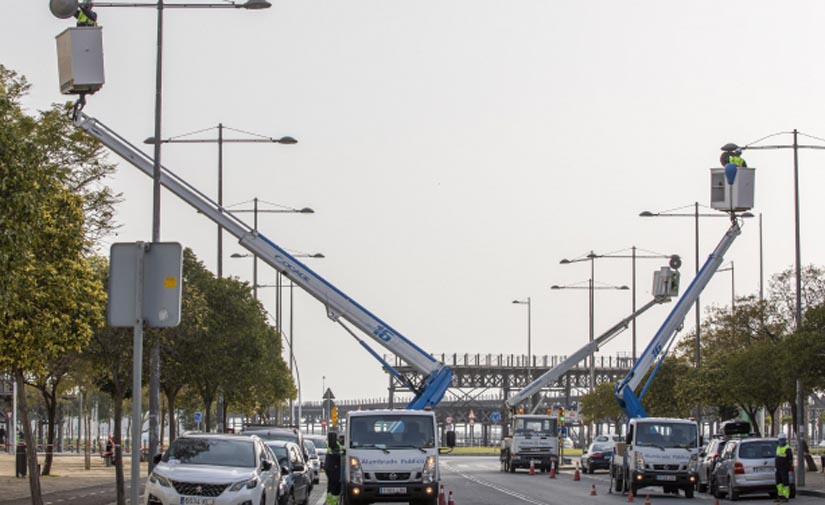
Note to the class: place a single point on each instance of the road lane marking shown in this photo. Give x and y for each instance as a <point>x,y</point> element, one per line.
<point>496,487</point>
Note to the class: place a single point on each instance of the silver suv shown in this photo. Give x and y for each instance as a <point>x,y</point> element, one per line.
<point>746,466</point>
<point>707,462</point>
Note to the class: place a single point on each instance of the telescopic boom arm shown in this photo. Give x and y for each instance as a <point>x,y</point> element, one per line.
<point>438,376</point>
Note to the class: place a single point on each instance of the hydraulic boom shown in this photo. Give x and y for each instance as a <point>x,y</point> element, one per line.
<point>437,376</point>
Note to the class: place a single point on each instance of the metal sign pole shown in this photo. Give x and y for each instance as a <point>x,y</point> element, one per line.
<point>137,379</point>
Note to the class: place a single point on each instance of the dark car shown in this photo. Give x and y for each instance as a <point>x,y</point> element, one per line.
<point>598,455</point>
<point>296,476</point>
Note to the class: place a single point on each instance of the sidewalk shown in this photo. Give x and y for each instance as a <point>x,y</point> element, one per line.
<point>67,474</point>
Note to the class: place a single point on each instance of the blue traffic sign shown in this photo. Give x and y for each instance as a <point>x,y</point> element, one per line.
<point>198,416</point>
<point>495,416</point>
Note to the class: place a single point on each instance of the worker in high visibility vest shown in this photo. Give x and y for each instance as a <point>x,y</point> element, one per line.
<point>332,467</point>
<point>734,157</point>
<point>783,462</point>
<point>85,15</point>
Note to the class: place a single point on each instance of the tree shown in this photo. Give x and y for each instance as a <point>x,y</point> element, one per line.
<point>601,405</point>
<point>50,301</point>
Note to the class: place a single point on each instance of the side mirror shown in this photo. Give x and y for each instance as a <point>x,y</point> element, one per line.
<point>284,470</point>
<point>266,465</point>
<point>156,458</point>
<point>450,439</point>
<point>298,467</point>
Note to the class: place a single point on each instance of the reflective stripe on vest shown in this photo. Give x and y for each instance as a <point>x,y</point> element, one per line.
<point>84,20</point>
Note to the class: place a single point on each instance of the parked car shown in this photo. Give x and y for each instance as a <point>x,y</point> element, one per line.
<point>708,456</point>
<point>598,455</point>
<point>608,438</point>
<point>314,461</point>
<point>216,469</point>
<point>746,466</point>
<point>320,443</point>
<point>296,480</point>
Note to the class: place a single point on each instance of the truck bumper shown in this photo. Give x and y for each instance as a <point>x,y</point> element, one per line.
<point>539,460</point>
<point>391,492</point>
<point>645,479</point>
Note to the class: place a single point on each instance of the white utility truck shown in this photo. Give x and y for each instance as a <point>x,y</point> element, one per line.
<point>391,456</point>
<point>658,451</point>
<point>534,439</point>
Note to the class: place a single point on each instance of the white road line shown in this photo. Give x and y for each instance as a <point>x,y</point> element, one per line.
<point>498,488</point>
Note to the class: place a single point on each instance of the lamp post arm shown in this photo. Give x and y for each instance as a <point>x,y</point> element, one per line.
<point>437,376</point>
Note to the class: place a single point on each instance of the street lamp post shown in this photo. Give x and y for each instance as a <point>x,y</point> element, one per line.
<point>730,269</point>
<point>220,140</point>
<point>529,337</point>
<point>58,6</point>
<point>795,146</point>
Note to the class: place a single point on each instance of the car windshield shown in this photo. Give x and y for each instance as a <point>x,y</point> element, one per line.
<point>601,447</point>
<point>531,425</point>
<point>207,451</point>
<point>320,443</point>
<point>667,435</point>
<point>275,435</point>
<point>757,449</point>
<point>389,431</point>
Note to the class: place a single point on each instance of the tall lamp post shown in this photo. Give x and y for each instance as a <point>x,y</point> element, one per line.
<point>220,140</point>
<point>795,146</point>
<point>529,337</point>
<point>730,269</point>
<point>591,288</point>
<point>58,8</point>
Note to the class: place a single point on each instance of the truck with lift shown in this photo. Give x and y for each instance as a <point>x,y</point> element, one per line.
<point>658,451</point>
<point>534,438</point>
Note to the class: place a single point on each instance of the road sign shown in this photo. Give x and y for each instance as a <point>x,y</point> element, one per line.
<point>198,417</point>
<point>495,416</point>
<point>449,420</point>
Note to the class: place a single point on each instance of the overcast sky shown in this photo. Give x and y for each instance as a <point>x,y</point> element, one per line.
<point>455,151</point>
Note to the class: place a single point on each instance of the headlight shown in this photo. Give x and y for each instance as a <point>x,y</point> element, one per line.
<point>159,479</point>
<point>428,473</point>
<point>356,474</point>
<point>249,484</point>
<point>640,461</point>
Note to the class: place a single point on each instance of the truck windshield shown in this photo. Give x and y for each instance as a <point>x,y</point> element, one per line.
<point>540,425</point>
<point>667,435</point>
<point>391,431</point>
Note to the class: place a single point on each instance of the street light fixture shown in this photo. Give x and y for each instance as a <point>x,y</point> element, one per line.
<point>66,9</point>
<point>529,337</point>
<point>220,140</point>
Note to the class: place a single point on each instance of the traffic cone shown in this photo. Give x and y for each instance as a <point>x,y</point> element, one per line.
<point>593,490</point>
<point>647,500</point>
<point>442,500</point>
<point>576,475</point>
<point>552,470</point>
<point>532,468</point>
<point>450,500</point>
<point>630,495</point>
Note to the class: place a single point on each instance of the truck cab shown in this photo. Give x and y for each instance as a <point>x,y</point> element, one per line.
<point>392,456</point>
<point>534,440</point>
<point>657,451</point>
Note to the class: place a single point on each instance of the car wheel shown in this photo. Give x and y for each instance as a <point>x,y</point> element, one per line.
<point>689,492</point>
<point>733,494</point>
<point>714,488</point>
<point>263,499</point>
<point>793,491</point>
<point>702,488</point>
<point>290,499</point>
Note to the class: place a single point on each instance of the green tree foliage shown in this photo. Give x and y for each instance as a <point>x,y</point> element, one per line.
<point>600,405</point>
<point>50,300</point>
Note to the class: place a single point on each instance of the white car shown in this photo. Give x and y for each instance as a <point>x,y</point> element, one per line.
<point>320,443</point>
<point>608,438</point>
<point>314,461</point>
<point>214,469</point>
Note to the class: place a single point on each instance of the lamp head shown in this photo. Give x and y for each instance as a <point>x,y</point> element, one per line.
<point>646,213</point>
<point>306,210</point>
<point>256,4</point>
<point>730,147</point>
<point>287,140</point>
<point>63,9</point>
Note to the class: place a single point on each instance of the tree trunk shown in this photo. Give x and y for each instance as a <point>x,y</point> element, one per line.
<point>170,400</point>
<point>31,453</point>
<point>207,410</point>
<point>51,419</point>
<point>120,486</point>
<point>87,455</point>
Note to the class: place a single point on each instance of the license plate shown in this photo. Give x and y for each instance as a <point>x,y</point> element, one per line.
<point>666,477</point>
<point>762,469</point>
<point>392,490</point>
<point>196,500</point>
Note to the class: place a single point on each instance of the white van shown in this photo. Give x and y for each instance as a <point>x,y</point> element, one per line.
<point>392,455</point>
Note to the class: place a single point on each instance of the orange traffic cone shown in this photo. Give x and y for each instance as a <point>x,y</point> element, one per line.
<point>532,468</point>
<point>630,495</point>
<point>576,475</point>
<point>442,500</point>
<point>450,501</point>
<point>552,470</point>
<point>647,500</point>
<point>593,490</point>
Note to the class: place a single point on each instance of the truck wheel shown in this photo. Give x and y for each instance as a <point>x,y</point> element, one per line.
<point>689,492</point>
<point>511,467</point>
<point>618,482</point>
<point>793,491</point>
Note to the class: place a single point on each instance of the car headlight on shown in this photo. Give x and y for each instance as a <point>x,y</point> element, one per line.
<point>428,473</point>
<point>356,473</point>
<point>249,484</point>
<point>155,478</point>
<point>640,461</point>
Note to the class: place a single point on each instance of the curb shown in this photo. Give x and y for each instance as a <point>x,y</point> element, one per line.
<point>810,492</point>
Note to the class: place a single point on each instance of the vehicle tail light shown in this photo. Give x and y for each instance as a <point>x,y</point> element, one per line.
<point>596,456</point>
<point>739,469</point>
